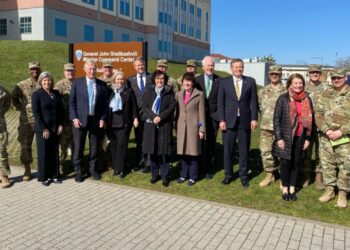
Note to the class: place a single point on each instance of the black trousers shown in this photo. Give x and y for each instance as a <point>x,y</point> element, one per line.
<point>212,127</point>
<point>189,167</point>
<point>119,147</point>
<point>79,138</point>
<point>160,162</point>
<point>290,168</point>
<point>229,138</point>
<point>48,157</point>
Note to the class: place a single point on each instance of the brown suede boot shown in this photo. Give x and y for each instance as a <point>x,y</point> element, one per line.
<point>269,178</point>
<point>342,201</point>
<point>27,176</point>
<point>327,195</point>
<point>319,181</point>
<point>5,183</point>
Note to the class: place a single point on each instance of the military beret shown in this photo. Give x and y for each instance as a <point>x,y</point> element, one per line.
<point>69,66</point>
<point>315,68</point>
<point>33,65</point>
<point>107,64</point>
<point>275,69</point>
<point>191,62</point>
<point>339,72</point>
<point>162,62</point>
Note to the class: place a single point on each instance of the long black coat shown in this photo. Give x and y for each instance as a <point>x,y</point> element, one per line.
<point>157,139</point>
<point>283,128</point>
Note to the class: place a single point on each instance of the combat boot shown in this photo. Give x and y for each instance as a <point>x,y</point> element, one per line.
<point>327,195</point>
<point>269,178</point>
<point>342,201</point>
<point>319,181</point>
<point>27,176</point>
<point>5,183</point>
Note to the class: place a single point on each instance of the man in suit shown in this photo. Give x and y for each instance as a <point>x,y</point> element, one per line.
<point>139,83</point>
<point>88,111</point>
<point>238,114</point>
<point>209,84</point>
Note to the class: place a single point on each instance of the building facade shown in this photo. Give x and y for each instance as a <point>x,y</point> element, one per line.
<point>174,29</point>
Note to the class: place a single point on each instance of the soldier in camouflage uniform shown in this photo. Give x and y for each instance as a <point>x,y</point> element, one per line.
<point>107,73</point>
<point>314,87</point>
<point>5,104</point>
<point>333,121</point>
<point>191,66</point>
<point>162,65</point>
<point>22,100</point>
<point>66,138</point>
<point>267,101</point>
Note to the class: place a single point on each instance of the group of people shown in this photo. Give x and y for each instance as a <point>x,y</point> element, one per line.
<point>293,119</point>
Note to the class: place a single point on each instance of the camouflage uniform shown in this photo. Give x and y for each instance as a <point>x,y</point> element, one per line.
<point>22,100</point>
<point>267,101</point>
<point>107,80</point>
<point>66,138</point>
<point>332,112</point>
<point>314,93</point>
<point>5,104</point>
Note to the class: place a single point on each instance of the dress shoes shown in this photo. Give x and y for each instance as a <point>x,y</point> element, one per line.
<point>285,196</point>
<point>46,183</point>
<point>209,176</point>
<point>226,181</point>
<point>245,183</point>
<point>165,183</point>
<point>96,176</point>
<point>57,181</point>
<point>121,175</point>
<point>78,178</point>
<point>191,182</point>
<point>180,180</point>
<point>293,196</point>
<point>154,179</point>
<point>146,169</point>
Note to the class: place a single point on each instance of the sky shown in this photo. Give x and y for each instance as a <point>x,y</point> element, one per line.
<point>293,32</point>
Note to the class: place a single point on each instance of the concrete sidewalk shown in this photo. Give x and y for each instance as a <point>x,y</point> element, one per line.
<point>96,215</point>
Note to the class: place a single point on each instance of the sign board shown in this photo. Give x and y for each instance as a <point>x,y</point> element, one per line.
<point>120,54</point>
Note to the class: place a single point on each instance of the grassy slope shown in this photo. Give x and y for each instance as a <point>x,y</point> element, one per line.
<point>16,55</point>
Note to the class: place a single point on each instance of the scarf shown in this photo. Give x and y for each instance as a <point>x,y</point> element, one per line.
<point>157,101</point>
<point>116,103</point>
<point>306,112</point>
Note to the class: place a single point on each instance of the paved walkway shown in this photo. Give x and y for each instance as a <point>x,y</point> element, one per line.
<point>95,215</point>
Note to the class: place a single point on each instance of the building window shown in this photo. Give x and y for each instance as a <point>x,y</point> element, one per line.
<point>139,10</point>
<point>125,37</point>
<point>160,17</point>
<point>206,26</point>
<point>3,27</point>
<point>107,4</point>
<point>160,46</point>
<point>89,35</point>
<point>183,17</point>
<point>174,50</point>
<point>139,39</point>
<point>108,36</point>
<point>191,21</point>
<point>60,27</point>
<point>184,52</point>
<point>92,2</point>
<point>26,24</point>
<point>125,7</point>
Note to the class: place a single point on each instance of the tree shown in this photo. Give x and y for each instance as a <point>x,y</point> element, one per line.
<point>268,59</point>
<point>343,62</point>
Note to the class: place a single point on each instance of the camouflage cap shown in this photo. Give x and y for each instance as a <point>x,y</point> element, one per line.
<point>191,63</point>
<point>162,62</point>
<point>33,65</point>
<point>315,68</point>
<point>107,64</point>
<point>339,72</point>
<point>69,66</point>
<point>275,69</point>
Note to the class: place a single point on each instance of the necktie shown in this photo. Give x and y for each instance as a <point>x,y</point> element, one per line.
<point>237,89</point>
<point>207,86</point>
<point>142,85</point>
<point>91,95</point>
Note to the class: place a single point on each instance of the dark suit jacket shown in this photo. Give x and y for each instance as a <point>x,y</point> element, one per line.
<point>211,102</point>
<point>132,81</point>
<point>129,111</point>
<point>79,102</point>
<point>47,111</point>
<point>228,104</point>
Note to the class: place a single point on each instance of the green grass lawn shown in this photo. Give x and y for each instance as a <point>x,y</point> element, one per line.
<point>52,56</point>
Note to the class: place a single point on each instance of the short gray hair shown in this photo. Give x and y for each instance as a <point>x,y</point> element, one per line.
<point>207,58</point>
<point>116,74</point>
<point>44,75</point>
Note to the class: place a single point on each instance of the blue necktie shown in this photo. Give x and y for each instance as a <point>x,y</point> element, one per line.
<point>91,95</point>
<point>142,85</point>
